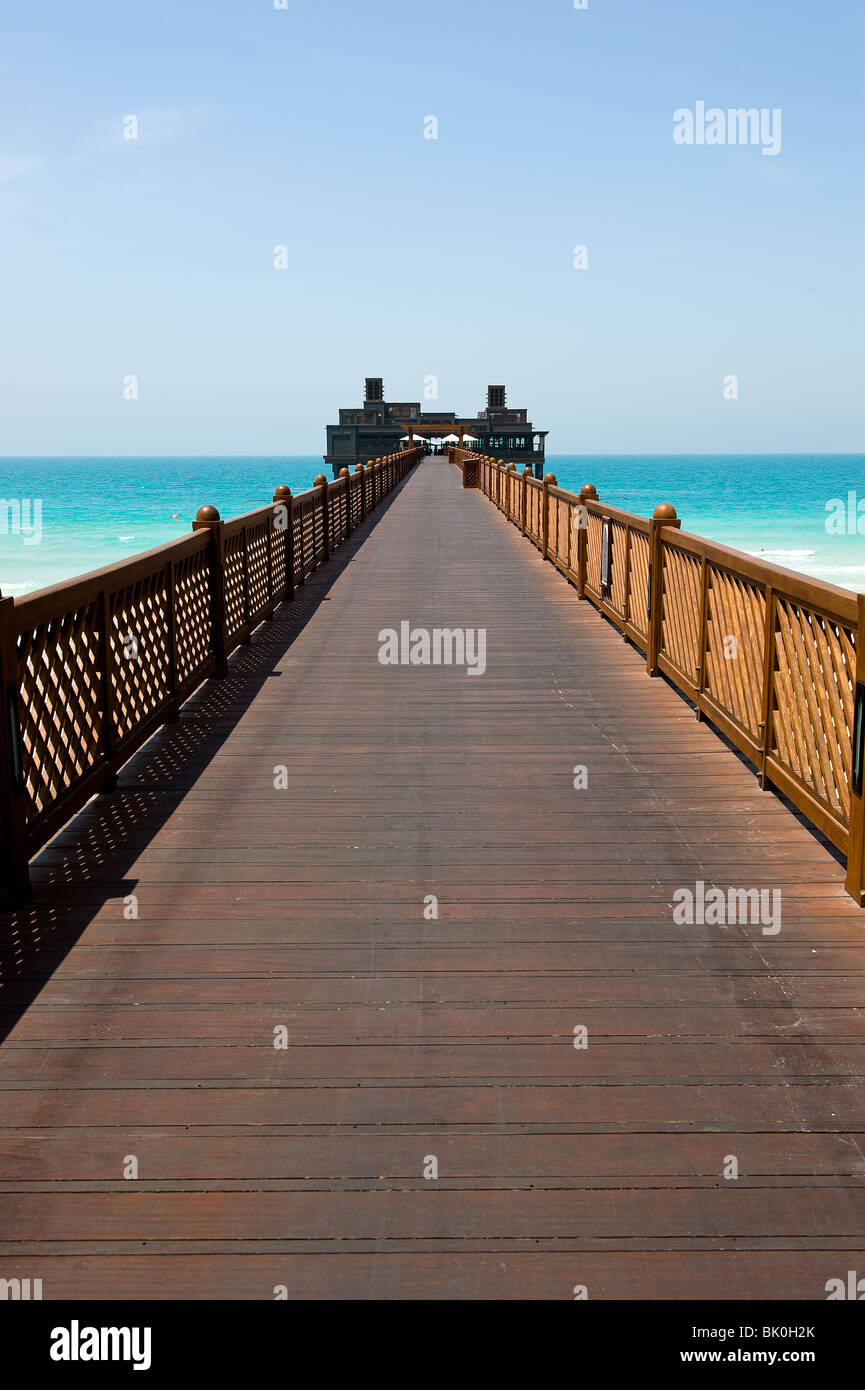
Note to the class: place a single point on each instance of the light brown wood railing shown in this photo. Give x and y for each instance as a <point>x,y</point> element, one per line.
<point>770,657</point>
<point>89,669</point>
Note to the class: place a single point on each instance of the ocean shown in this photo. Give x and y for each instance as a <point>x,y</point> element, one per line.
<point>60,517</point>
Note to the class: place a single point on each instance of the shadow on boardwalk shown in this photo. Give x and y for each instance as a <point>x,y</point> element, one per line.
<point>87,862</point>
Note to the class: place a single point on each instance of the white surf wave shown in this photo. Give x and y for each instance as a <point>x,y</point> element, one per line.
<point>782,554</point>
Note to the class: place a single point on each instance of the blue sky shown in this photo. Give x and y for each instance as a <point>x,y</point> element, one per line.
<point>410,257</point>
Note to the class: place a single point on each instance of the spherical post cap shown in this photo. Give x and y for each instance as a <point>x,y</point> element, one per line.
<point>207,514</point>
<point>343,473</point>
<point>665,511</point>
<point>528,471</point>
<point>550,478</point>
<point>512,466</point>
<point>588,490</point>
<point>281,493</point>
<point>321,481</point>
<point>358,468</point>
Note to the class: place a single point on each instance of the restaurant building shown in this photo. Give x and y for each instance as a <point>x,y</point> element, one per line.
<point>380,427</point>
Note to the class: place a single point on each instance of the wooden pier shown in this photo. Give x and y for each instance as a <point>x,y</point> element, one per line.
<point>340,919</point>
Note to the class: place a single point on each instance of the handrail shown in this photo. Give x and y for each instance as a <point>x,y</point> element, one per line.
<point>770,657</point>
<point>91,667</point>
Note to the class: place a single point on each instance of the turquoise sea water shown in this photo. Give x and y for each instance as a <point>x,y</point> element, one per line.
<point>98,510</point>
<point>770,505</point>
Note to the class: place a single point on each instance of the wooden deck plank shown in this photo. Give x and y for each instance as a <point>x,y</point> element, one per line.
<point>304,908</point>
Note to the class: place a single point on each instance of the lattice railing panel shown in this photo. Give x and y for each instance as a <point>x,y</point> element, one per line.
<point>735,642</point>
<point>297,552</point>
<point>139,651</point>
<point>594,535</point>
<point>561,530</point>
<point>257,540</point>
<point>307,537</point>
<point>277,551</point>
<point>680,640</point>
<point>638,604</point>
<point>340,516</point>
<point>318,520</point>
<point>619,574</point>
<point>61,705</point>
<point>813,701</point>
<point>533,513</point>
<point>235,583</point>
<point>515,509</point>
<point>193,622</point>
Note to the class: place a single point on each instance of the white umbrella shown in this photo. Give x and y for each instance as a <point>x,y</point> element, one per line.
<point>450,439</point>
<point>470,439</point>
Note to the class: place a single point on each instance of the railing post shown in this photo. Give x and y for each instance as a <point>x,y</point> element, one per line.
<point>358,468</point>
<point>856,842</point>
<point>588,493</point>
<point>208,519</point>
<point>282,498</point>
<point>524,497</point>
<point>344,473</point>
<point>321,484</point>
<point>549,481</point>
<point>663,515</point>
<point>510,485</point>
<point>14,857</point>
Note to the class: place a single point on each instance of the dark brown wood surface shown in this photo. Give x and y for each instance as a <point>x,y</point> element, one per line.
<point>304,908</point>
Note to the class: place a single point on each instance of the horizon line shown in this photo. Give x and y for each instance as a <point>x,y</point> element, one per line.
<point>669,453</point>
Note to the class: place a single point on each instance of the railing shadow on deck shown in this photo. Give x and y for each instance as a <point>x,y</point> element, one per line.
<point>113,828</point>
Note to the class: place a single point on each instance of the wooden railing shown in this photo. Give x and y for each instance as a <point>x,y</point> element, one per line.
<point>89,669</point>
<point>770,657</point>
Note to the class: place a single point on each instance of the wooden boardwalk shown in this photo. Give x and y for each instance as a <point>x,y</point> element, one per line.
<point>259,908</point>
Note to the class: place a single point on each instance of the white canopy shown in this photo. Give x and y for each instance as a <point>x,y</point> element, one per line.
<point>450,439</point>
<point>470,438</point>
